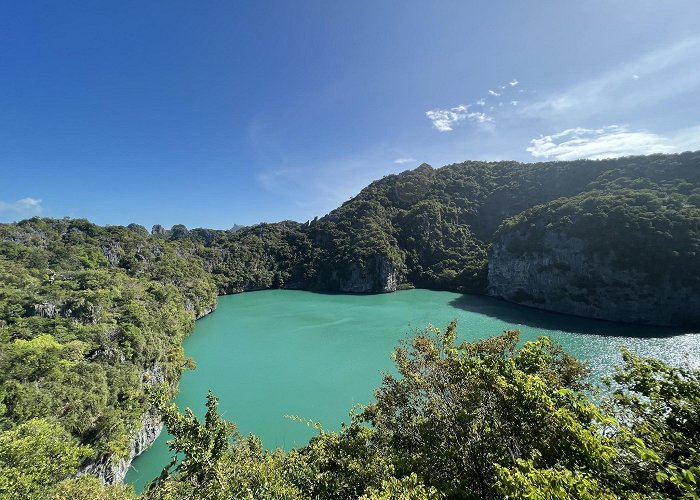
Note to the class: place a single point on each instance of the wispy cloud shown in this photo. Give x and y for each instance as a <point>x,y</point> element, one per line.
<point>26,207</point>
<point>402,161</point>
<point>445,120</point>
<point>270,179</point>
<point>610,142</point>
<point>480,117</point>
<point>316,188</point>
<point>658,75</point>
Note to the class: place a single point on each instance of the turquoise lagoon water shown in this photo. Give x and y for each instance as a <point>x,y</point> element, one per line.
<point>275,353</point>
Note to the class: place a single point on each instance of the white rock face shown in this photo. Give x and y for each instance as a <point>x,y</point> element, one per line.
<point>111,469</point>
<point>561,277</point>
<point>377,276</point>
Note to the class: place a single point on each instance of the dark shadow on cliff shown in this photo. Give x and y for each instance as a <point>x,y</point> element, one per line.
<point>516,315</point>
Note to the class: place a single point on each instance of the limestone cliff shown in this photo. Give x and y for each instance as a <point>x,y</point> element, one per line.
<point>377,275</point>
<point>112,469</point>
<point>562,275</point>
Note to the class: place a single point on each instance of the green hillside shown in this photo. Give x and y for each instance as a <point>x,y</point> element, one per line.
<point>92,320</point>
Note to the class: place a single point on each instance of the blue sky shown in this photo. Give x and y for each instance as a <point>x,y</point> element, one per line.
<point>222,112</point>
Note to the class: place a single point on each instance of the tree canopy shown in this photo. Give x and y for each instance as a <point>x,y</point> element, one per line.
<point>475,420</point>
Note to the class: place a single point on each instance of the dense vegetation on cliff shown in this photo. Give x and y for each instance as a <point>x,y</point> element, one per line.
<point>664,224</point>
<point>630,242</point>
<point>439,224</point>
<point>89,317</point>
<point>434,228</point>
<point>92,318</point>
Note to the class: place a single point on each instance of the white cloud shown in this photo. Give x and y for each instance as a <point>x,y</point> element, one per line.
<point>445,120</point>
<point>401,161</point>
<point>687,139</point>
<point>514,103</point>
<point>661,74</point>
<point>479,117</point>
<point>610,142</point>
<point>26,207</point>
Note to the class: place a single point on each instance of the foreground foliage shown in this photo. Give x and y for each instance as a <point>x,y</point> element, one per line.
<point>477,420</point>
<point>480,420</point>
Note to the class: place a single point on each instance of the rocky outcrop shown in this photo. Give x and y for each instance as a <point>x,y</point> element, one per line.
<point>112,469</point>
<point>560,274</point>
<point>112,251</point>
<point>378,275</point>
<point>206,311</point>
<point>47,310</point>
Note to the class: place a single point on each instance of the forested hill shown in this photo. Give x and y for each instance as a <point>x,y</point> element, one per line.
<point>91,317</point>
<point>609,233</point>
<point>614,239</point>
